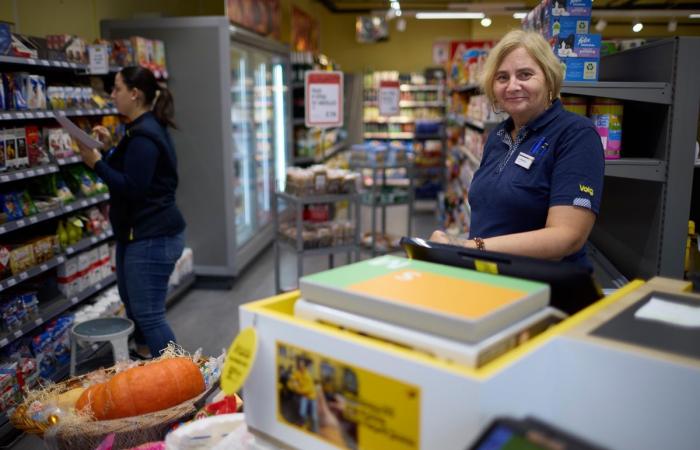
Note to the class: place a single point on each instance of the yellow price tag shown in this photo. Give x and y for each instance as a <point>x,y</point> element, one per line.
<point>485,266</point>
<point>239,360</point>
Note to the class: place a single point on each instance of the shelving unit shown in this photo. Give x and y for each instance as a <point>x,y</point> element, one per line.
<point>294,206</point>
<point>643,221</point>
<point>379,173</point>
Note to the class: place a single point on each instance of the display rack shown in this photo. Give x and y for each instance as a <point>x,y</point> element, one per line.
<point>295,206</point>
<point>429,170</point>
<point>643,221</point>
<point>372,196</point>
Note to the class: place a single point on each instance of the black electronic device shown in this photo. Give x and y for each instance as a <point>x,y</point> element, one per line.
<point>505,433</point>
<point>572,287</point>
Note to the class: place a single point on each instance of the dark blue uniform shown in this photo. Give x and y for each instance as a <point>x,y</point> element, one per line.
<point>556,159</point>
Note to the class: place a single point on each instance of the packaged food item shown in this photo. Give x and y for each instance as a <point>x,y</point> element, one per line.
<point>3,162</point>
<point>22,258</point>
<point>20,90</point>
<point>10,149</point>
<point>606,114</point>
<point>37,92</point>
<point>22,153</point>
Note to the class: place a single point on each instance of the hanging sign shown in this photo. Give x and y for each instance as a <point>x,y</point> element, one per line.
<point>239,360</point>
<point>324,99</point>
<point>99,60</point>
<point>388,98</point>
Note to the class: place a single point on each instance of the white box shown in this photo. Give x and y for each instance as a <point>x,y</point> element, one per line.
<point>68,277</point>
<point>83,269</point>
<point>94,273</point>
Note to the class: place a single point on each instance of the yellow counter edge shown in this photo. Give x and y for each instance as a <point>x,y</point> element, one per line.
<point>281,307</point>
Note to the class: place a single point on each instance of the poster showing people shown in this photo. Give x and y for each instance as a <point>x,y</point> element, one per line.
<point>260,16</point>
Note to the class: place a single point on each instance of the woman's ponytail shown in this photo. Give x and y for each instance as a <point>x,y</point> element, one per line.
<point>159,97</point>
<point>164,107</point>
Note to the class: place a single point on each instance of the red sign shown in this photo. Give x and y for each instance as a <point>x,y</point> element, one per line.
<point>324,99</point>
<point>388,98</point>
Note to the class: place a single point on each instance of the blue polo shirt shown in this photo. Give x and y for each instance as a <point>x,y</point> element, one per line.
<point>556,159</point>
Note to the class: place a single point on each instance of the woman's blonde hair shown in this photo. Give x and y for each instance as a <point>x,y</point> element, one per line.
<point>539,50</point>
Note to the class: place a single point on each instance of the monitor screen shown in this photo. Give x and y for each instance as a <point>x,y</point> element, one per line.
<point>572,287</point>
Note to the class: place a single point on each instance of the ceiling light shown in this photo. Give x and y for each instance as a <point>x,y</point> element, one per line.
<point>449,15</point>
<point>672,25</point>
<point>395,5</point>
<point>398,13</point>
<point>519,15</point>
<point>694,16</point>
<point>600,25</point>
<point>485,22</point>
<point>637,27</point>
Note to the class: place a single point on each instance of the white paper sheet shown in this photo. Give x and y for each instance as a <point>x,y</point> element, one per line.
<point>77,133</point>
<point>670,312</point>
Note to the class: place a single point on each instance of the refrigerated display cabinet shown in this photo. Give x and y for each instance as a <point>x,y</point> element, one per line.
<point>232,108</point>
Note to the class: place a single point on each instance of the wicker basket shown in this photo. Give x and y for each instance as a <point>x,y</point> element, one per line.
<point>129,431</point>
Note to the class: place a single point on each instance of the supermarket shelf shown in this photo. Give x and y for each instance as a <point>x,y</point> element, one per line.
<point>56,307</point>
<point>313,199</point>
<point>69,160</point>
<point>49,63</point>
<point>388,135</point>
<point>636,168</point>
<point>385,204</point>
<point>411,104</point>
<point>396,119</point>
<point>479,125</point>
<point>28,173</point>
<point>57,212</point>
<point>636,91</point>
<point>327,154</point>
<point>50,114</point>
<point>476,162</point>
<point>422,87</point>
<point>175,292</point>
<point>426,137</point>
<point>88,242</point>
<point>465,87</point>
<point>322,250</point>
<point>370,165</point>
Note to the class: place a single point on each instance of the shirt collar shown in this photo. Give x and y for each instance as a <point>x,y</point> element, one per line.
<point>540,121</point>
<point>138,120</point>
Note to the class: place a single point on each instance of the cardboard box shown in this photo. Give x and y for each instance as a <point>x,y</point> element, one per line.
<point>565,26</point>
<point>67,277</point>
<point>577,46</point>
<point>568,7</point>
<point>83,270</point>
<point>581,69</point>
<point>94,274</point>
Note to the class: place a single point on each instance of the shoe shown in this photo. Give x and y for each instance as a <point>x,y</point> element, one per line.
<point>138,356</point>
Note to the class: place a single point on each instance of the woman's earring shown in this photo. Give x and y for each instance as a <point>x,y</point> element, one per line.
<point>550,96</point>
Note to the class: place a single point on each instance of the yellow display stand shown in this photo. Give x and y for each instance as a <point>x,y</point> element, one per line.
<point>314,386</point>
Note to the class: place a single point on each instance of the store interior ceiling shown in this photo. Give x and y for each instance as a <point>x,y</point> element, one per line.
<point>681,11</point>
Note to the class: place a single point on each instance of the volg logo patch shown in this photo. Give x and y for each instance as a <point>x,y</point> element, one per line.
<point>587,189</point>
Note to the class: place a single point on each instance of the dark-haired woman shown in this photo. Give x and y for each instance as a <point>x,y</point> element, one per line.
<point>141,172</point>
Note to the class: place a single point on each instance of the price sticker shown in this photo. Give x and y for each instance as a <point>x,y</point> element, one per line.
<point>84,203</point>
<point>38,321</point>
<point>7,116</point>
<point>21,223</point>
<point>79,112</point>
<point>4,178</point>
<point>69,208</point>
<point>2,229</point>
<point>60,259</point>
<point>74,300</point>
<point>65,64</point>
<point>93,239</point>
<point>98,286</point>
<point>44,267</point>
<point>62,113</point>
<point>56,63</point>
<point>17,333</point>
<point>70,250</point>
<point>50,214</point>
<point>19,175</point>
<point>41,114</point>
<point>31,173</point>
<point>23,276</point>
<point>3,342</point>
<point>40,171</point>
<point>11,282</point>
<point>45,63</point>
<point>31,61</point>
<point>20,115</point>
<point>30,115</point>
<point>239,360</point>
<point>33,220</point>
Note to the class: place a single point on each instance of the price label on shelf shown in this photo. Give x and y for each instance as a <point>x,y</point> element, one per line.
<point>40,171</point>
<point>33,220</point>
<point>99,60</point>
<point>324,99</point>
<point>20,115</point>
<point>41,114</point>
<point>11,282</point>
<point>62,113</point>
<point>4,178</point>
<point>23,276</point>
<point>98,286</point>
<point>19,175</point>
<point>38,321</point>
<point>70,250</point>
<point>45,63</point>
<point>21,223</point>
<point>69,208</point>
<point>31,172</point>
<point>44,267</point>
<point>79,112</point>
<point>7,116</point>
<point>30,115</point>
<point>31,61</point>
<point>4,342</point>
<point>64,64</point>
<point>60,259</point>
<point>388,98</point>
<point>74,300</point>
<point>84,203</point>
<point>17,333</point>
<point>93,239</point>
<point>50,214</point>
<point>2,229</point>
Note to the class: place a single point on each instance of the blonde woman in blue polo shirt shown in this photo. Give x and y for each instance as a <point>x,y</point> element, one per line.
<point>538,189</point>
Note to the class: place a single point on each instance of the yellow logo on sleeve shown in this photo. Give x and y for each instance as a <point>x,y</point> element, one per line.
<point>587,189</point>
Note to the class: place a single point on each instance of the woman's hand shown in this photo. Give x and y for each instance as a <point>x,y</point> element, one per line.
<point>104,136</point>
<point>443,238</point>
<point>90,155</point>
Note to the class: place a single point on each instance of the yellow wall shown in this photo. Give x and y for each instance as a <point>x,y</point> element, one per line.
<point>82,17</point>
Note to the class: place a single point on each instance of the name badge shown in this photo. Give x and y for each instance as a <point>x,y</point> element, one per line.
<point>524,160</point>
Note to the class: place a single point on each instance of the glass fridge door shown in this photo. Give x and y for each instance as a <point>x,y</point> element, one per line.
<point>242,133</point>
<point>264,137</point>
<point>280,94</point>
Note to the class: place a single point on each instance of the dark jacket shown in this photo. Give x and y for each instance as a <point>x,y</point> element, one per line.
<point>141,173</point>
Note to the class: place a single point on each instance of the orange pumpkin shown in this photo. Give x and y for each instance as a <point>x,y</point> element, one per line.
<point>143,389</point>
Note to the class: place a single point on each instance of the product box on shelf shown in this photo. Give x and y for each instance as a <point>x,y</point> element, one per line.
<point>94,274</point>
<point>83,270</point>
<point>567,7</point>
<point>577,46</point>
<point>581,69</point>
<point>564,26</point>
<point>68,277</point>
<point>22,151</point>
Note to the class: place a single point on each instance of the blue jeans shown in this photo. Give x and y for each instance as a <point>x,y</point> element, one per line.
<point>309,407</point>
<point>143,270</point>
